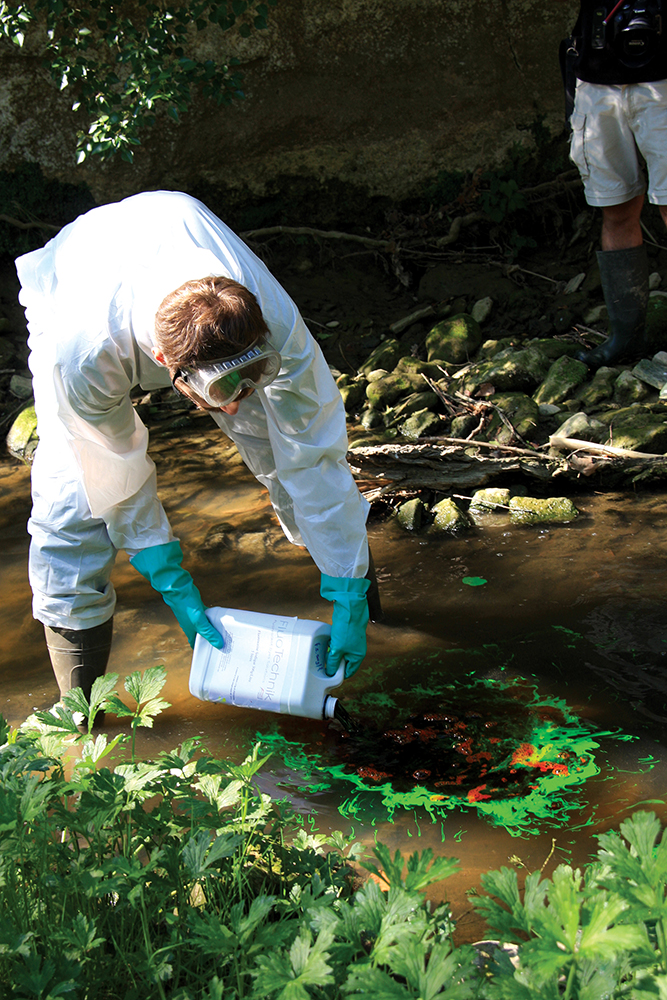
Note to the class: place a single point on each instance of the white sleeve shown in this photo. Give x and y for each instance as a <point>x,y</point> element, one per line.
<point>308,435</point>
<point>109,442</point>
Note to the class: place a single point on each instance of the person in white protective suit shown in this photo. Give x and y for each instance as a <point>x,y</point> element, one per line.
<point>228,336</point>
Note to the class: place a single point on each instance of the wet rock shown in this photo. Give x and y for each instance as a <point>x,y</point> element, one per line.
<point>464,425</point>
<point>637,428</point>
<point>482,309</point>
<point>413,403</point>
<point>600,389</point>
<point>553,349</point>
<point>371,419</point>
<point>490,348</point>
<point>251,546</point>
<point>487,503</point>
<point>385,391</point>
<point>411,514</point>
<point>353,393</point>
<point>415,366</point>
<point>385,355</point>
<point>454,340</point>
<point>23,438</point>
<point>509,371</point>
<point>423,424</point>
<point>532,510</point>
<point>564,376</point>
<point>583,427</point>
<point>653,370</point>
<point>521,411</point>
<point>21,386</point>
<point>376,374</point>
<point>629,389</point>
<point>448,518</point>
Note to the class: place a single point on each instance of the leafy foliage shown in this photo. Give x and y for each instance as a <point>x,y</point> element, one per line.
<point>175,878</point>
<point>122,61</point>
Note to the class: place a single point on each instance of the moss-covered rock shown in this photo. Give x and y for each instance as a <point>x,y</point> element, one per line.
<point>637,428</point>
<point>385,391</point>
<point>599,389</point>
<point>490,498</point>
<point>354,393</point>
<point>564,376</point>
<point>413,403</point>
<point>385,355</point>
<point>23,438</point>
<point>629,389</point>
<point>532,510</point>
<point>415,366</point>
<point>509,371</point>
<point>410,515</point>
<point>424,423</point>
<point>448,518</point>
<point>521,411</point>
<point>582,427</point>
<point>455,340</point>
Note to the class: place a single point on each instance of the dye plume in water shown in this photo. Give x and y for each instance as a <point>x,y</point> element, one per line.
<point>497,747</point>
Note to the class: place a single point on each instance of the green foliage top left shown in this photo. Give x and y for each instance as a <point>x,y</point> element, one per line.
<point>121,61</point>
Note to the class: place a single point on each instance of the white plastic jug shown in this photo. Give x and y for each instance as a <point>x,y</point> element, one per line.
<point>271,662</point>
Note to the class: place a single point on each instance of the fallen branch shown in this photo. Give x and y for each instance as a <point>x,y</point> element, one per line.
<point>574,444</point>
<point>28,225</point>
<point>323,234</point>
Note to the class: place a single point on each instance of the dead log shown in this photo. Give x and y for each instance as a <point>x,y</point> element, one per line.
<point>446,467</point>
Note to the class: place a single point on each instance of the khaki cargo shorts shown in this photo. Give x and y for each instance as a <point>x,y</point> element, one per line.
<point>610,123</point>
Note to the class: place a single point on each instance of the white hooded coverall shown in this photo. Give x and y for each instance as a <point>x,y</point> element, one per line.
<point>91,295</point>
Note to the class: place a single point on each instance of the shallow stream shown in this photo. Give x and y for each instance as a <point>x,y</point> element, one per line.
<point>559,654</point>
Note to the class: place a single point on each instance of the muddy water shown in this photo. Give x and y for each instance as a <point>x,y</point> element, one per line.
<point>577,610</point>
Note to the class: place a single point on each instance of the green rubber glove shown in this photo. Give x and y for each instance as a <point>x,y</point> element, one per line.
<point>161,565</point>
<point>348,626</point>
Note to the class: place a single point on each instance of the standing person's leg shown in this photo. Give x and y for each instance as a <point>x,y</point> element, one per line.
<point>624,275</point>
<point>605,151</point>
<point>71,558</point>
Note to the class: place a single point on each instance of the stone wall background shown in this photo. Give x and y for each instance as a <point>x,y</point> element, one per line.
<point>378,95</point>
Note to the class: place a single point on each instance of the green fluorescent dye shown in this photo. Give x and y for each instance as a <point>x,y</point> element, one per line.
<point>555,760</point>
<point>474,581</point>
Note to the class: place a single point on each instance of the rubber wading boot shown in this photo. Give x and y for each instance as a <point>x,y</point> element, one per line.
<point>375,612</point>
<point>79,656</point>
<point>624,276</point>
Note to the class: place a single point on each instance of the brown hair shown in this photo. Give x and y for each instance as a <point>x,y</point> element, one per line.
<point>206,319</point>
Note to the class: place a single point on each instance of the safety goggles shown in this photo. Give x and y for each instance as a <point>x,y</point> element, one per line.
<point>219,383</point>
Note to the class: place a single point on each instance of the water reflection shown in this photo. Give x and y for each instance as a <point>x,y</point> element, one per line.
<point>579,609</point>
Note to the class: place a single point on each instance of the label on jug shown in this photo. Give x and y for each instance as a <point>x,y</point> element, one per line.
<point>251,670</point>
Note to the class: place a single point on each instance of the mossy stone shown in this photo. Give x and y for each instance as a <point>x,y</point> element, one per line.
<point>564,376</point>
<point>448,518</point>
<point>455,340</point>
<point>22,438</point>
<point>532,510</point>
<point>410,514</point>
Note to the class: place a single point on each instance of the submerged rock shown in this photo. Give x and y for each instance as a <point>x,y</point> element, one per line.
<point>532,510</point>
<point>448,518</point>
<point>411,514</point>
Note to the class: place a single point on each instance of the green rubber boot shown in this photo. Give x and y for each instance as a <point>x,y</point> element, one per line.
<point>624,276</point>
<point>79,657</point>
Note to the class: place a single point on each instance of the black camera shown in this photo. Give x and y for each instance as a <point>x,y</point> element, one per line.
<point>634,32</point>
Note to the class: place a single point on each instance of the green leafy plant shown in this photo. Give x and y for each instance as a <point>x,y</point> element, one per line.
<point>176,878</point>
<point>122,61</point>
<point>590,935</point>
